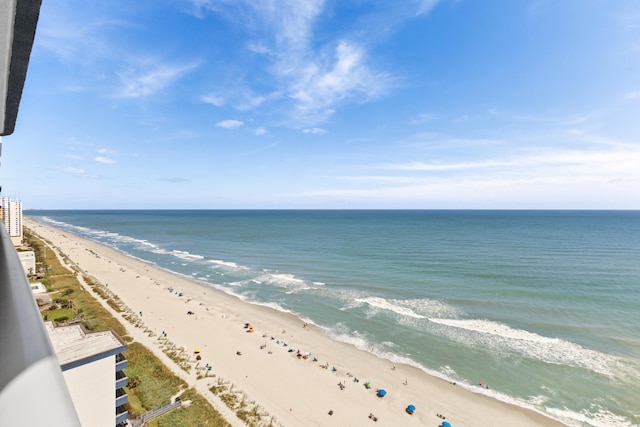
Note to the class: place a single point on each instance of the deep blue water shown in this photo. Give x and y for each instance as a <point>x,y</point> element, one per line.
<point>542,305</point>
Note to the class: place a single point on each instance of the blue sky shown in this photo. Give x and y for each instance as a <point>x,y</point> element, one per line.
<point>330,104</point>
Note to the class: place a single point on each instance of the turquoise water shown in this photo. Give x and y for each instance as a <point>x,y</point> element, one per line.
<point>544,306</point>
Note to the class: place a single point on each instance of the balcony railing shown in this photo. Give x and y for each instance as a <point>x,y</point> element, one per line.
<point>121,379</point>
<point>121,397</point>
<point>121,415</point>
<point>30,376</point>
<point>121,362</point>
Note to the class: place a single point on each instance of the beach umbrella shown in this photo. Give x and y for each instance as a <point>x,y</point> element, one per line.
<point>445,424</point>
<point>381,393</point>
<point>197,350</point>
<point>411,408</point>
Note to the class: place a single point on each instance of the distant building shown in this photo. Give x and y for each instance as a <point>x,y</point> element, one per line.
<point>28,261</point>
<point>92,364</point>
<point>12,218</point>
<point>40,293</point>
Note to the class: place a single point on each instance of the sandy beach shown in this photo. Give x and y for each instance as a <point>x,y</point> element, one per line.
<point>293,370</point>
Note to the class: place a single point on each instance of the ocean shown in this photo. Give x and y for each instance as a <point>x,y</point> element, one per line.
<point>541,306</point>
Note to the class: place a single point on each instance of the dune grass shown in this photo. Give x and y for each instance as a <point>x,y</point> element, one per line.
<point>151,383</point>
<point>198,413</point>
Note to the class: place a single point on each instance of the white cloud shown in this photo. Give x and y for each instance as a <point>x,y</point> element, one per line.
<point>75,171</point>
<point>260,131</point>
<point>432,167</point>
<point>314,130</point>
<point>249,101</point>
<point>74,157</point>
<point>107,151</point>
<point>216,100</point>
<point>343,75</point>
<point>535,178</point>
<point>240,97</point>
<point>229,124</point>
<point>74,32</point>
<point>610,164</point>
<point>426,6</point>
<point>632,95</point>
<point>315,76</point>
<point>136,84</point>
<point>104,160</point>
<point>485,192</point>
<point>173,179</point>
<point>422,118</point>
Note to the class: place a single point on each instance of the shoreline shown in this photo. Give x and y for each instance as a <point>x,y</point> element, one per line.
<point>295,390</point>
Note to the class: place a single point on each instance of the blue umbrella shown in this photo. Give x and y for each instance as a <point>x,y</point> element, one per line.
<point>383,392</point>
<point>446,424</point>
<point>410,409</point>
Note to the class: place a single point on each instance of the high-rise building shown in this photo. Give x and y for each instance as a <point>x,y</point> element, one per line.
<point>92,365</point>
<point>12,217</point>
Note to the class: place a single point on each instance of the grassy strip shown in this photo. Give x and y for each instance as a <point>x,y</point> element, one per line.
<point>201,414</point>
<point>64,284</point>
<point>151,383</point>
<point>60,313</point>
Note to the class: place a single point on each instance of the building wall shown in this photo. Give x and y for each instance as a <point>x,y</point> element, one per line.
<point>12,217</point>
<point>92,388</point>
<point>28,261</point>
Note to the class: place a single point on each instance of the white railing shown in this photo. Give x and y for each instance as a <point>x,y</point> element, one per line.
<point>32,389</point>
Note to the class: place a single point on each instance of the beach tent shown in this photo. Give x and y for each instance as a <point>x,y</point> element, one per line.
<point>410,409</point>
<point>381,393</point>
<point>445,424</point>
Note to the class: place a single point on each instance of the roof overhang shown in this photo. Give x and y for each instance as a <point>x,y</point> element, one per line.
<point>18,21</point>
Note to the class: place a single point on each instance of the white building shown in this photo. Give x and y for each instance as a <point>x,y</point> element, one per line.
<point>28,261</point>
<point>12,217</point>
<point>92,366</point>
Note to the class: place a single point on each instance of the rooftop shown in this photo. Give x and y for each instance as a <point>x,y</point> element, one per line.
<point>72,344</point>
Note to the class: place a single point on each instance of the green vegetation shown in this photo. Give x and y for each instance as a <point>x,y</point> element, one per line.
<point>151,383</point>
<point>58,314</point>
<point>65,290</point>
<point>115,304</point>
<point>198,413</point>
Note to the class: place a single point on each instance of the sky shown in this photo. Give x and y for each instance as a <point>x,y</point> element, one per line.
<point>343,104</point>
